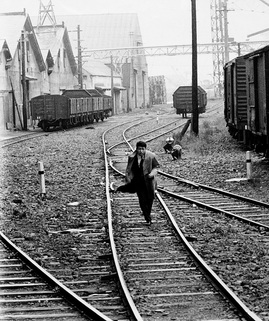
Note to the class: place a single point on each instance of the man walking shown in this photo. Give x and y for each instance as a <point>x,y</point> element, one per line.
<point>140,177</point>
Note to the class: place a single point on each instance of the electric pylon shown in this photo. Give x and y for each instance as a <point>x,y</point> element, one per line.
<point>219,32</point>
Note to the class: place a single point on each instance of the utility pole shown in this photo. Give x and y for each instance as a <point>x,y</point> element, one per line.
<point>226,36</point>
<point>112,86</point>
<point>80,75</point>
<point>23,81</point>
<point>194,123</point>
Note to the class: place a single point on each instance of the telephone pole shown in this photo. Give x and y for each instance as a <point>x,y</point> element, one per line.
<point>80,75</point>
<point>226,35</point>
<point>23,81</point>
<point>195,118</point>
<point>112,86</point>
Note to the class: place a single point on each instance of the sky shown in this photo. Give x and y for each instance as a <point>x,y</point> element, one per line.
<point>165,22</point>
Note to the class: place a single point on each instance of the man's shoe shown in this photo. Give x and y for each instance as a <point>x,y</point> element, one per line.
<point>149,221</point>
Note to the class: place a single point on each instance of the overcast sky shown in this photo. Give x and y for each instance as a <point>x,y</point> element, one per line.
<point>164,22</point>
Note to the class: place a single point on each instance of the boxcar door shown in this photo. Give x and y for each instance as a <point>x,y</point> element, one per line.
<point>228,90</point>
<point>253,102</point>
<point>240,94</point>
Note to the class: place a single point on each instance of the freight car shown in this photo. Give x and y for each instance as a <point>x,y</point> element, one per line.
<point>182,100</point>
<point>73,107</point>
<point>235,97</point>
<point>255,101</point>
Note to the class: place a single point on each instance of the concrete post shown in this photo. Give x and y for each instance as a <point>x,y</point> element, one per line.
<point>41,178</point>
<point>248,162</point>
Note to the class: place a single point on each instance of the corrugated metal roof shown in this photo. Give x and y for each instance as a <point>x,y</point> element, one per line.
<point>10,30</point>
<point>98,68</point>
<point>11,27</point>
<point>99,31</point>
<point>49,38</point>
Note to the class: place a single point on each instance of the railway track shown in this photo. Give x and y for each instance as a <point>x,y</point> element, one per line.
<point>162,270</point>
<point>82,232</point>
<point>85,261</point>
<point>90,274</point>
<point>248,210</point>
<point>28,292</point>
<point>5,142</point>
<point>233,205</point>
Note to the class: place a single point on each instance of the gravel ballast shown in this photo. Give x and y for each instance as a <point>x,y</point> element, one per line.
<point>74,172</point>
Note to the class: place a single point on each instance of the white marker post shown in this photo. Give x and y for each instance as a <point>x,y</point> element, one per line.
<point>41,179</point>
<point>248,162</point>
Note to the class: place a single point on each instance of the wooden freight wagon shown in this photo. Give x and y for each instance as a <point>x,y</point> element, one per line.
<point>235,93</point>
<point>107,103</point>
<point>81,102</point>
<point>50,110</point>
<point>182,100</point>
<point>97,99</point>
<point>257,75</point>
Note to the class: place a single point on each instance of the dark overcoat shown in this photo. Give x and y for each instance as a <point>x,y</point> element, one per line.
<point>150,163</point>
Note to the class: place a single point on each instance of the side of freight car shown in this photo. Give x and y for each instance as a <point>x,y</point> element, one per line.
<point>182,100</point>
<point>257,69</point>
<point>73,107</point>
<point>235,97</point>
<point>50,111</point>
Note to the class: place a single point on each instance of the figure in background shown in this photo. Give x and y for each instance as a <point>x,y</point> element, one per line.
<point>140,177</point>
<point>174,150</point>
<point>168,147</point>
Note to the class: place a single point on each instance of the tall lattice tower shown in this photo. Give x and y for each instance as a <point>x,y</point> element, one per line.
<point>46,12</point>
<point>219,32</point>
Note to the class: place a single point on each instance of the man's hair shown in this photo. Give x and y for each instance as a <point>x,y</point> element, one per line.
<point>141,144</point>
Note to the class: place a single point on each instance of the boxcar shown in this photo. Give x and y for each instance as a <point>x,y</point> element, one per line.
<point>50,110</point>
<point>235,97</point>
<point>257,75</point>
<point>182,100</point>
